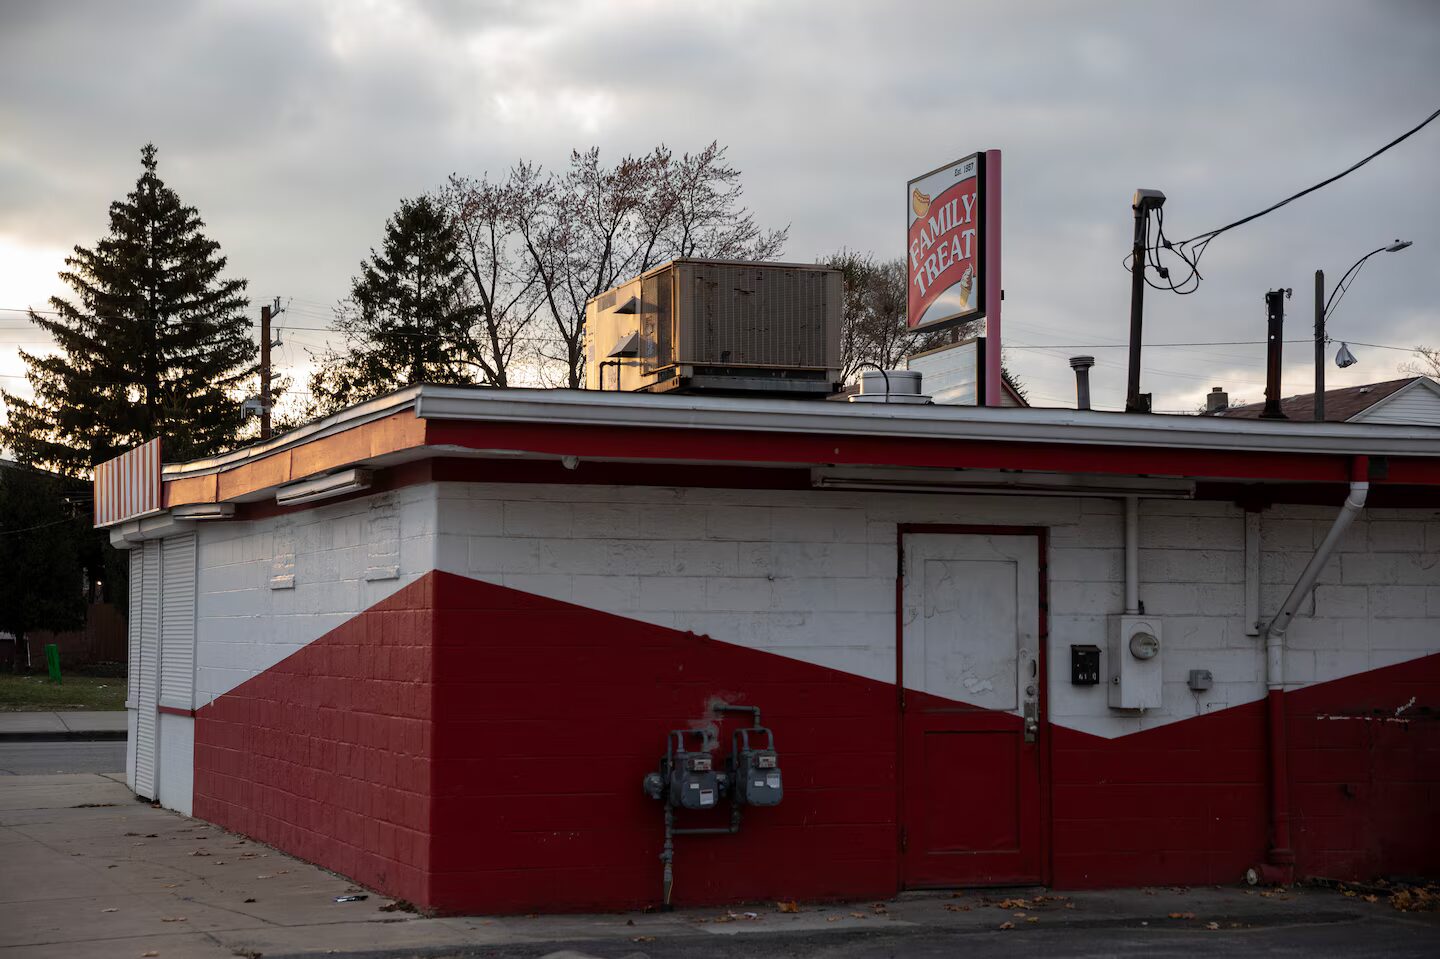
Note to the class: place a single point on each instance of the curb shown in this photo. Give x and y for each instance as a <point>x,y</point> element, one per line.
<point>66,736</point>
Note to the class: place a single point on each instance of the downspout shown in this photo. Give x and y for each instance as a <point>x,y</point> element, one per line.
<point>1132,555</point>
<point>1279,865</point>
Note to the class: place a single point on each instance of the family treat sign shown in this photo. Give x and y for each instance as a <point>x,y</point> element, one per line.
<point>946,244</point>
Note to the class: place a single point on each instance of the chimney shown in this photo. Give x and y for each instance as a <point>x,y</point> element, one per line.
<point>1217,401</point>
<point>1081,365</point>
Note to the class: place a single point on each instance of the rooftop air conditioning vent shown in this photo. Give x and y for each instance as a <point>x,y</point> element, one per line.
<point>727,326</point>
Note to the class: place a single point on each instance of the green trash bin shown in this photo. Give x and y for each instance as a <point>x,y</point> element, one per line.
<point>52,659</point>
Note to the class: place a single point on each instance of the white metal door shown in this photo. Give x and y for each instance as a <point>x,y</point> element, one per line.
<point>970,658</point>
<point>146,680</point>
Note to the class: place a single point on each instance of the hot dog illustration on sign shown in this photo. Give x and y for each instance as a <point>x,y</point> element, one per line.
<point>945,259</point>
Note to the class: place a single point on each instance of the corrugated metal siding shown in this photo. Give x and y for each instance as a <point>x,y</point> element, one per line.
<point>1414,406</point>
<point>132,629</point>
<point>147,681</point>
<point>177,622</point>
<point>128,485</point>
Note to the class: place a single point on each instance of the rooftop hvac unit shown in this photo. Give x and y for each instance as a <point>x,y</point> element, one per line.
<point>718,325</point>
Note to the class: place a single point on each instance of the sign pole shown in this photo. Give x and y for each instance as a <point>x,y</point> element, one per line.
<point>993,292</point>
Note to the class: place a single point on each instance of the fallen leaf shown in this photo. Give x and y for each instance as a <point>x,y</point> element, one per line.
<point>1371,898</point>
<point>642,938</point>
<point>249,900</point>
<point>1069,905</point>
<point>170,885</point>
<point>956,907</point>
<point>172,918</point>
<point>788,905</point>
<point>147,955</point>
<point>1012,904</point>
<point>1032,919</point>
<point>833,918</point>
<point>1007,925</point>
<point>858,915</point>
<point>199,852</point>
<point>751,915</point>
<point>1018,915</point>
<point>1182,915</point>
<point>1212,925</point>
<point>111,909</point>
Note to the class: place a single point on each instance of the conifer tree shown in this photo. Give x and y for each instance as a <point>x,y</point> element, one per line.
<point>154,343</point>
<point>406,321</point>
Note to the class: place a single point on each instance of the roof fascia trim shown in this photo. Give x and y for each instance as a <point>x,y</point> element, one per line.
<point>1020,425</point>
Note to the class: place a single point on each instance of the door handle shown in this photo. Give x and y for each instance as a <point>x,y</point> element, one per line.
<point>1032,721</point>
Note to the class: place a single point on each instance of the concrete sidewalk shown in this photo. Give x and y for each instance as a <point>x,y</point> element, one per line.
<point>52,726</point>
<point>86,871</point>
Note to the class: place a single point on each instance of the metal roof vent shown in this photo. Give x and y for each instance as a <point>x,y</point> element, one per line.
<point>628,345</point>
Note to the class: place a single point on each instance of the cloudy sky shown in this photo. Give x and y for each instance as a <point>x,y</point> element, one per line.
<point>295,127</point>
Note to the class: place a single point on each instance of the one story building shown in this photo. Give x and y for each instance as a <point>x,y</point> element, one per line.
<point>436,642</point>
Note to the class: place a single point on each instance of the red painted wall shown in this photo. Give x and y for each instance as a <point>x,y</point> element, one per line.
<point>548,716</point>
<point>1183,803</point>
<point>326,754</point>
<point>475,748</point>
<point>1187,802</point>
<point>1364,781</point>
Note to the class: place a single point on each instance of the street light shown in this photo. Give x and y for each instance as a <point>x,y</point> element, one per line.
<point>1323,311</point>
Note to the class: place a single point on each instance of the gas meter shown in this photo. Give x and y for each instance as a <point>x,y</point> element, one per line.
<point>755,770</point>
<point>693,781</point>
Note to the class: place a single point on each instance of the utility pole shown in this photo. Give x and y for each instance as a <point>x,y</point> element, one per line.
<point>265,372</point>
<point>1142,204</point>
<point>1274,343</point>
<point>266,314</point>
<point>1319,346</point>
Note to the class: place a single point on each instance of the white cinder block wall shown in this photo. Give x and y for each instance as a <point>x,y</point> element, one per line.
<point>811,575</point>
<point>266,588</point>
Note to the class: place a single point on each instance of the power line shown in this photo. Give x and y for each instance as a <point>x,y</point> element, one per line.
<point>315,329</point>
<point>28,529</point>
<point>1190,251</point>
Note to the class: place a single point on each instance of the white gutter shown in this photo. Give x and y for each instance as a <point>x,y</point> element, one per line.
<point>1277,627</point>
<point>765,415</point>
<point>1008,424</point>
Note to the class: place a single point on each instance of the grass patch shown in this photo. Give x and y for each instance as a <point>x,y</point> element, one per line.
<point>29,692</point>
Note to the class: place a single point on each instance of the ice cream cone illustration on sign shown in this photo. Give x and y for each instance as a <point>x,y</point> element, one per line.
<point>919,202</point>
<point>967,283</point>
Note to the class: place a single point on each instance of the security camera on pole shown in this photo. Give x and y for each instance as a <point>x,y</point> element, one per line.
<point>1144,202</point>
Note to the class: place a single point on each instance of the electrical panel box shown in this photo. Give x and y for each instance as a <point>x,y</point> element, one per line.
<point>1136,655</point>
<point>1084,665</point>
<point>755,771</point>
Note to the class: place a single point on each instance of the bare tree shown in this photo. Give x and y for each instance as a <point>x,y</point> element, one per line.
<point>595,226</point>
<point>873,325</point>
<point>499,281</point>
<point>1426,363</point>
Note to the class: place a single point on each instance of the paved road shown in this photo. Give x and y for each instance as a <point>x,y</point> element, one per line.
<point>50,758</point>
<point>1371,938</point>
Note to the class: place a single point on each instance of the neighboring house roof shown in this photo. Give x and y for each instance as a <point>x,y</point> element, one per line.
<point>1413,400</point>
